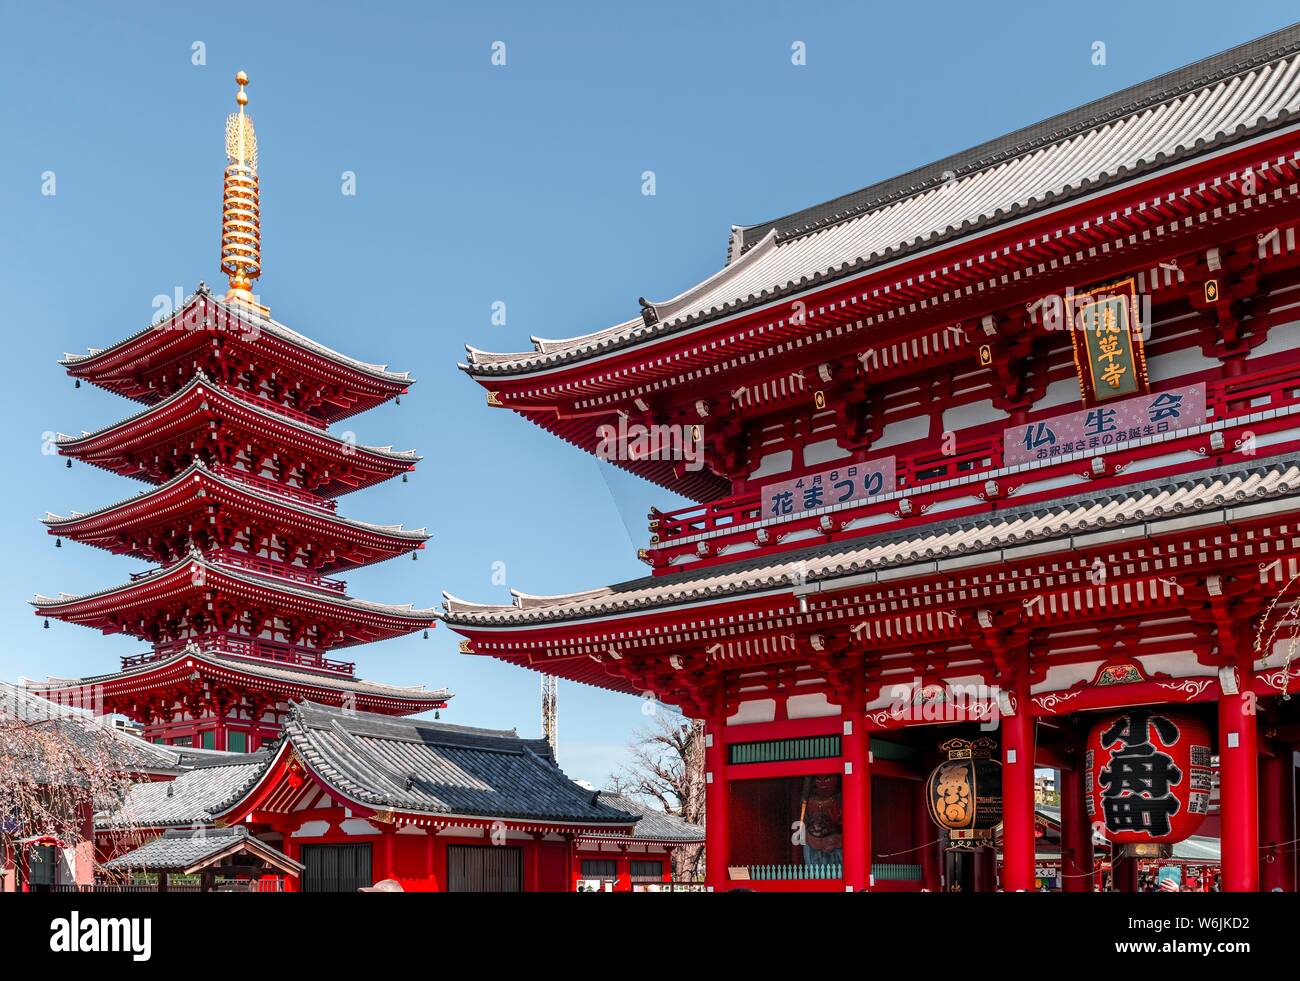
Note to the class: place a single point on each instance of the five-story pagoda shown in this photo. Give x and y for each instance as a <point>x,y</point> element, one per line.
<point>241,513</point>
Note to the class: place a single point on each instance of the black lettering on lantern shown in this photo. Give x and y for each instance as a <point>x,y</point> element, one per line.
<point>1135,783</point>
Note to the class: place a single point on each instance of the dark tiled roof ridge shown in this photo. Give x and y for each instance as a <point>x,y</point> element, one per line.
<point>1115,105</point>
<point>319,716</point>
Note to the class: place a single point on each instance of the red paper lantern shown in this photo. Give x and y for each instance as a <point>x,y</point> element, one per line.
<point>1148,776</point>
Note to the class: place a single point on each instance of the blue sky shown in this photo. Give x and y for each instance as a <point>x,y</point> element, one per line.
<point>475,184</point>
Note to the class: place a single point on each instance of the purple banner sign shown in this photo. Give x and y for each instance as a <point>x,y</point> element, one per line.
<point>850,482</point>
<point>1106,426</point>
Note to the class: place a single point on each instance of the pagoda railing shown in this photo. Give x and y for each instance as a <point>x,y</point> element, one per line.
<point>1267,400</point>
<point>269,405</point>
<point>257,649</point>
<point>275,487</point>
<point>277,570</point>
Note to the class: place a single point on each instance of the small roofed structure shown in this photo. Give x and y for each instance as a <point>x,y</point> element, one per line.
<point>613,863</point>
<point>359,797</point>
<point>231,853</point>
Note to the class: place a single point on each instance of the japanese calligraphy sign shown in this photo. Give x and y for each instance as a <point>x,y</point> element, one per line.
<point>850,482</point>
<point>1148,775</point>
<point>1105,426</point>
<point>1108,351</point>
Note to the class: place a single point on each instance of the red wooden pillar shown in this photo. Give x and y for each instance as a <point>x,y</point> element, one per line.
<point>856,798</point>
<point>536,863</point>
<point>571,868</point>
<point>1123,871</point>
<point>1076,834</point>
<point>1277,820</point>
<point>1238,793</point>
<point>623,878</point>
<point>291,848</point>
<point>1018,795</point>
<point>717,837</point>
<point>928,853</point>
<point>430,859</point>
<point>388,867</point>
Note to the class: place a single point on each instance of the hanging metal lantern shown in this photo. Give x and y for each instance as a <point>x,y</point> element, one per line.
<point>1148,776</point>
<point>964,794</point>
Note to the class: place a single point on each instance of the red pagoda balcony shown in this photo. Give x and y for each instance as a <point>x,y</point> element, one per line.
<point>277,570</point>
<point>244,647</point>
<point>1257,413</point>
<point>275,487</point>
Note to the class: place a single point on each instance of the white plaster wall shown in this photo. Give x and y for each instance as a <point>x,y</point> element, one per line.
<point>903,431</point>
<point>773,463</point>
<point>823,452</point>
<point>812,706</point>
<point>759,710</point>
<point>971,414</point>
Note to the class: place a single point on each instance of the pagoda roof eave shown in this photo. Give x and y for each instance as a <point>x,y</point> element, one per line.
<point>287,680</point>
<point>65,441</point>
<point>833,566</point>
<point>1156,126</point>
<point>68,526</point>
<point>81,364</point>
<point>212,575</point>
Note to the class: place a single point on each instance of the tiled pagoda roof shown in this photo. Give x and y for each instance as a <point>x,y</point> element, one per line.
<point>1223,100</point>
<point>147,424</point>
<point>197,562</point>
<point>289,681</point>
<point>179,493</point>
<point>246,314</point>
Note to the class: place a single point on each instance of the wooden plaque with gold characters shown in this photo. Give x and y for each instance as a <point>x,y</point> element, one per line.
<point>1106,332</point>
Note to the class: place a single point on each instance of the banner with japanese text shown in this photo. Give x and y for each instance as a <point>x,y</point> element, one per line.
<point>851,482</point>
<point>1105,426</point>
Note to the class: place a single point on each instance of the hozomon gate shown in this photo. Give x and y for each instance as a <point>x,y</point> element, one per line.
<point>1008,442</point>
<point>234,439</point>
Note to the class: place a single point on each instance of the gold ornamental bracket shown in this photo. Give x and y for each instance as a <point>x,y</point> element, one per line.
<point>241,214</point>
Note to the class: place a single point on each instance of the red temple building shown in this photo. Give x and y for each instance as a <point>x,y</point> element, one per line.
<point>998,458</point>
<point>245,612</point>
<point>353,799</point>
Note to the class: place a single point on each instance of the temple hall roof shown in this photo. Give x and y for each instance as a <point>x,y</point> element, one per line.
<point>92,736</point>
<point>654,825</point>
<point>1217,102</point>
<point>187,800</point>
<point>430,768</point>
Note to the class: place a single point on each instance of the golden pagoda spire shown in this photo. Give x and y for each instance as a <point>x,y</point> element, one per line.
<point>241,227</point>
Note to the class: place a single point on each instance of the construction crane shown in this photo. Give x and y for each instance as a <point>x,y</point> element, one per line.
<point>550,719</point>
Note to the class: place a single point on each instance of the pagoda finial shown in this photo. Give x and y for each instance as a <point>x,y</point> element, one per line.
<point>241,226</point>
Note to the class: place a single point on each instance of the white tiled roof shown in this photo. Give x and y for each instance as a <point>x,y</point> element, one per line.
<point>1155,134</point>
<point>929,545</point>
